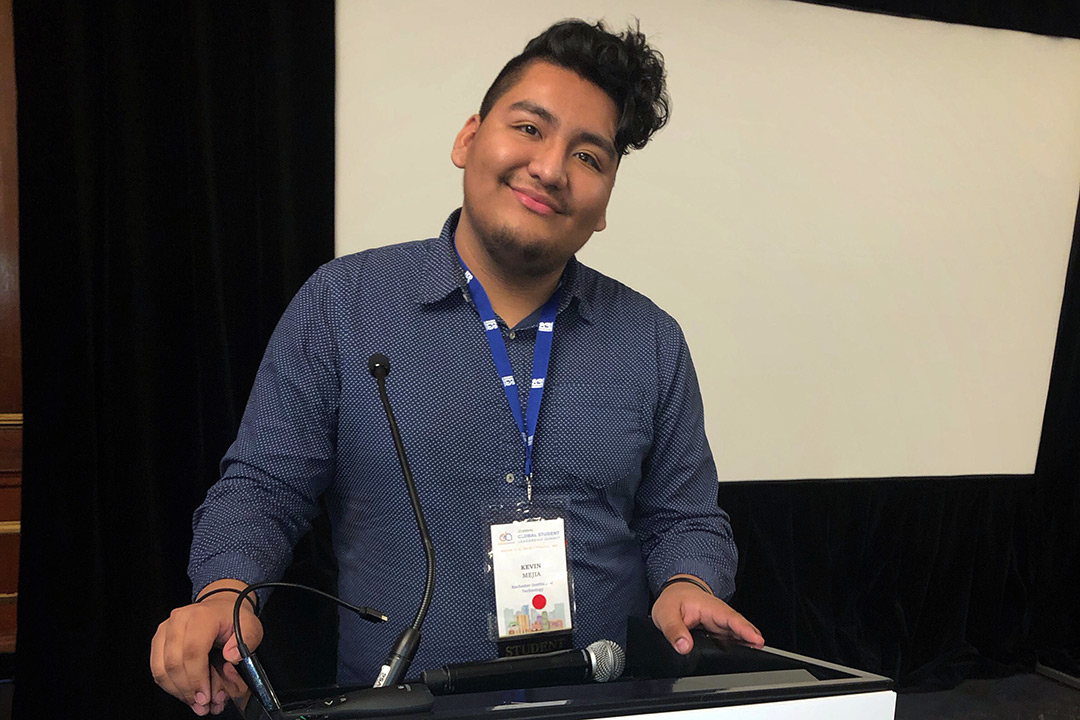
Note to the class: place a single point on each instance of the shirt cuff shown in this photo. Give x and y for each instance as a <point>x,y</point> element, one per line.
<point>232,566</point>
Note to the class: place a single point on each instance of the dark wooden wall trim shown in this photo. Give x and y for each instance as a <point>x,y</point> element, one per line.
<point>10,340</point>
<point>10,346</point>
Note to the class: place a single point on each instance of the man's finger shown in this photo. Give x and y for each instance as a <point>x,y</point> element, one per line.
<point>671,624</point>
<point>731,623</point>
<point>234,684</point>
<point>193,640</point>
<point>173,657</point>
<point>230,651</point>
<point>218,695</point>
<point>746,631</point>
<point>157,663</point>
<point>252,631</point>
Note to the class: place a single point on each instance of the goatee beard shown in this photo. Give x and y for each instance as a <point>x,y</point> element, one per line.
<point>517,257</point>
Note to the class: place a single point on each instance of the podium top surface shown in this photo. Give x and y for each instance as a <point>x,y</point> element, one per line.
<point>776,676</point>
<point>659,680</point>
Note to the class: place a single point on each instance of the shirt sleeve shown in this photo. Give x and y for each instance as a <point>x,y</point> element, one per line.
<point>681,526</point>
<point>282,459</point>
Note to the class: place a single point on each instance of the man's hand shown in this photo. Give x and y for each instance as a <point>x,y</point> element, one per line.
<point>180,650</point>
<point>683,605</point>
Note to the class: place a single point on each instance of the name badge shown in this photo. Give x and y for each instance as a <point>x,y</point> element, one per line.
<point>532,589</point>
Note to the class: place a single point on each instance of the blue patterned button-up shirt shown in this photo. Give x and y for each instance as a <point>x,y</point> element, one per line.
<point>620,443</point>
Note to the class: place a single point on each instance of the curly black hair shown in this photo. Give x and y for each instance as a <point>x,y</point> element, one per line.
<point>622,65</point>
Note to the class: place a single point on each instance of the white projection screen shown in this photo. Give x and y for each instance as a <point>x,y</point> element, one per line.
<point>862,222</point>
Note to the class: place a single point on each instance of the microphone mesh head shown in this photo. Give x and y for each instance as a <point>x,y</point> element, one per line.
<point>608,660</point>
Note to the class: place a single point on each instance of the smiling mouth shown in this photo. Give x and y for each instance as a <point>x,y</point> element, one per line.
<point>541,207</point>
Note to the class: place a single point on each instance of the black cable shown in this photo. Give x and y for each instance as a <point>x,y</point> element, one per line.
<point>364,612</point>
<point>254,599</point>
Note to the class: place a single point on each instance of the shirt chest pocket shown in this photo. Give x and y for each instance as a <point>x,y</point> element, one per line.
<point>594,436</point>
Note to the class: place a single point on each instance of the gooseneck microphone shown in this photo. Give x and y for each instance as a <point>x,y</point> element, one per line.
<point>379,366</point>
<point>601,661</point>
<point>388,696</point>
<point>401,655</point>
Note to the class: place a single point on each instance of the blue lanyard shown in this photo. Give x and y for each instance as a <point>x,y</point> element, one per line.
<point>541,358</point>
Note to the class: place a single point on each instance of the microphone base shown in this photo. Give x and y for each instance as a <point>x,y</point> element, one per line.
<point>363,703</point>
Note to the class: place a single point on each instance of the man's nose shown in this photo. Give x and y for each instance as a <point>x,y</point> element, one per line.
<point>548,164</point>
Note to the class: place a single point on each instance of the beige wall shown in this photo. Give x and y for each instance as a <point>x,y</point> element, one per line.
<point>862,222</point>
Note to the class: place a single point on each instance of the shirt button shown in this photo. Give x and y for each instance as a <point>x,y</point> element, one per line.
<point>509,477</point>
<point>513,334</point>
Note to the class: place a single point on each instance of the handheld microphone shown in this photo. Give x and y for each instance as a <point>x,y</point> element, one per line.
<point>401,655</point>
<point>601,661</point>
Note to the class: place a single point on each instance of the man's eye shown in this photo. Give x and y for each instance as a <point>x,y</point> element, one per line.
<point>530,129</point>
<point>588,159</point>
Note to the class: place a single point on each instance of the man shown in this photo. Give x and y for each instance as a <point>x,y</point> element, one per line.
<point>618,448</point>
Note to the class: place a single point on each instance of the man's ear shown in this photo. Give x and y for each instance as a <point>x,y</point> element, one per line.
<point>464,140</point>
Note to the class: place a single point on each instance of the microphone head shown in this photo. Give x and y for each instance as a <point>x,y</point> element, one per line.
<point>607,658</point>
<point>378,365</point>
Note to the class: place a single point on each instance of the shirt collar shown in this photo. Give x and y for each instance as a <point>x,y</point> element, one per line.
<point>443,275</point>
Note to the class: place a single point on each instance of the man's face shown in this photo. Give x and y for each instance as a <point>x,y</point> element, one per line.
<point>538,170</point>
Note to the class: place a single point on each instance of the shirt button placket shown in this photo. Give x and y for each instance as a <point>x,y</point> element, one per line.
<point>510,448</point>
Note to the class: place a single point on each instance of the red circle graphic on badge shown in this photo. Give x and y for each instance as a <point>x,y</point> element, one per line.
<point>539,602</point>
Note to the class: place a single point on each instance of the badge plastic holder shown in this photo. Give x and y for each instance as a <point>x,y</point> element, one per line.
<point>537,625</point>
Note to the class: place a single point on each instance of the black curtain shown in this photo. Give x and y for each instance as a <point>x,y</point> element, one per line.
<point>1058,18</point>
<point>176,188</point>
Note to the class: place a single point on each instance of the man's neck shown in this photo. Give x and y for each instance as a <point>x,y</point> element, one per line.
<point>513,298</point>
